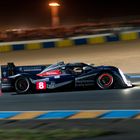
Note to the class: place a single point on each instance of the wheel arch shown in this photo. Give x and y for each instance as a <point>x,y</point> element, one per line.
<point>28,89</point>
<point>118,81</point>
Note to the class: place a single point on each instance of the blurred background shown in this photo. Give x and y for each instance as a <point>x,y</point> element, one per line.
<point>37,19</point>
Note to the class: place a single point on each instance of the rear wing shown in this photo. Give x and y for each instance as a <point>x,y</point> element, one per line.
<point>11,69</point>
<point>7,70</point>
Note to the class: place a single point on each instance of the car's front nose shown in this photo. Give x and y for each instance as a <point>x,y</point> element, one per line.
<point>125,79</point>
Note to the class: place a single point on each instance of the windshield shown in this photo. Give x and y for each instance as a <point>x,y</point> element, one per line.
<point>54,66</point>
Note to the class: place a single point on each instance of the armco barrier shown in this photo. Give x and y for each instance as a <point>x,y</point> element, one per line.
<point>71,114</point>
<point>73,41</point>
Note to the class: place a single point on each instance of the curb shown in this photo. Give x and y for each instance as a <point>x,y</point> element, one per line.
<point>70,114</point>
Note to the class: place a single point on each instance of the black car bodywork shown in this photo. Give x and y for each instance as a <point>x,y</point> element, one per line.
<point>27,79</point>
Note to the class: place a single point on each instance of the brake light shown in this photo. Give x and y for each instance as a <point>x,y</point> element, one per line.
<point>4,79</point>
<point>49,73</point>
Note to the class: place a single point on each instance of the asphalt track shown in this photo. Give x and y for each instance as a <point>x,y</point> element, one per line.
<point>74,100</point>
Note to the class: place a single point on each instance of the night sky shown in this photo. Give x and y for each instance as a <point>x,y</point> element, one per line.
<point>37,12</point>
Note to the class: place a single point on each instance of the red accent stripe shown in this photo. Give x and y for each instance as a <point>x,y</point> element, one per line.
<point>49,73</point>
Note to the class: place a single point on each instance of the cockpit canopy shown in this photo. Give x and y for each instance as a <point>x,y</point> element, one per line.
<point>69,68</point>
<point>54,66</point>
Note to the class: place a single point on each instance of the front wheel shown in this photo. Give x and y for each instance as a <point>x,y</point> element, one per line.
<point>105,81</point>
<point>22,85</point>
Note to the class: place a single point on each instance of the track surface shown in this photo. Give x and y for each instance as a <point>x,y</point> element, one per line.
<point>76,100</point>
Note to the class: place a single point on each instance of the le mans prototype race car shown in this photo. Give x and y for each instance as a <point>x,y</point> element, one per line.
<point>27,79</point>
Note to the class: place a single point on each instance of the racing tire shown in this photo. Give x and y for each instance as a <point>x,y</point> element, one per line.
<point>105,81</point>
<point>22,85</point>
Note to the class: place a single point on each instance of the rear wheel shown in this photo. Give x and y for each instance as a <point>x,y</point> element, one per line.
<point>22,85</point>
<point>105,81</point>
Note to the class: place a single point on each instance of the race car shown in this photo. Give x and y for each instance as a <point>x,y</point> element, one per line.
<point>60,76</point>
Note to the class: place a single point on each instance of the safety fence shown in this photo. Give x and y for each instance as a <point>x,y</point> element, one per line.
<point>73,41</point>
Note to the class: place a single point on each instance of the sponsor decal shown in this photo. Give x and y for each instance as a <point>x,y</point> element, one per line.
<point>54,85</point>
<point>57,77</point>
<point>86,76</point>
<point>49,73</point>
<point>27,69</point>
<point>51,85</point>
<point>41,85</point>
<point>4,74</point>
<point>84,83</point>
<point>20,69</point>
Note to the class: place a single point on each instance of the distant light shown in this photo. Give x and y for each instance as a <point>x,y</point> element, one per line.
<point>54,4</point>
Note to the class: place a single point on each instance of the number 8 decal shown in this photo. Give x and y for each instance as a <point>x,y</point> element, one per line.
<point>41,85</point>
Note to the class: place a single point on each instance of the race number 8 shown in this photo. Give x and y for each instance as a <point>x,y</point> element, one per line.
<point>41,85</point>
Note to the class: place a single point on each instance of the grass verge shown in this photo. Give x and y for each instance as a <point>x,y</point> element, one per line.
<point>59,134</point>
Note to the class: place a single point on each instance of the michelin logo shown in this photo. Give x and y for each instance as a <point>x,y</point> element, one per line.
<point>51,85</point>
